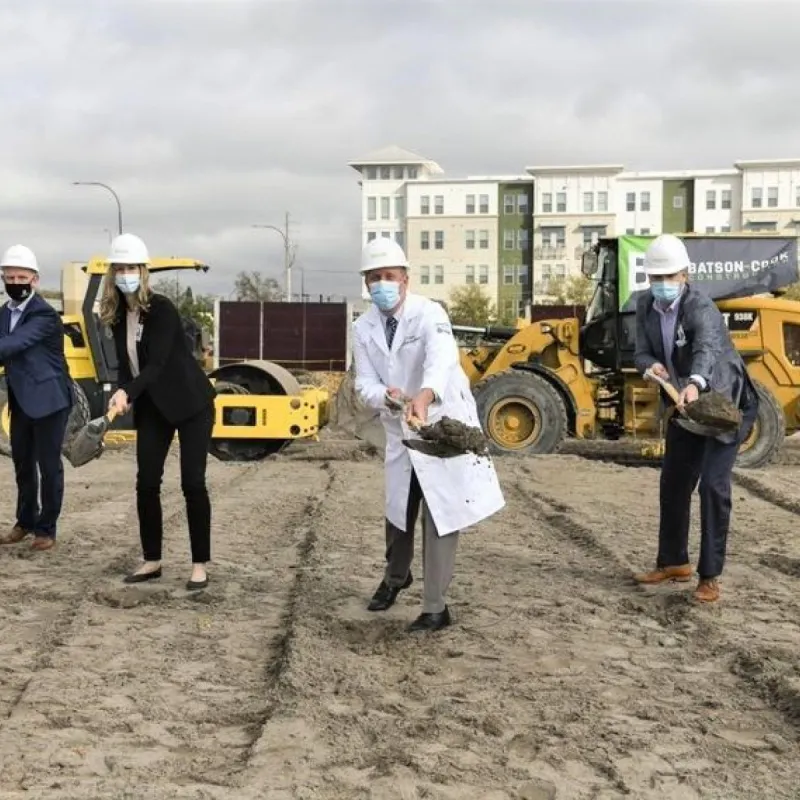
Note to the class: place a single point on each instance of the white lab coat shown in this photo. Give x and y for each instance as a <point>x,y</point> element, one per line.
<point>459,491</point>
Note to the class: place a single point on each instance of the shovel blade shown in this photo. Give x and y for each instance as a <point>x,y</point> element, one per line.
<point>87,444</point>
<point>436,449</point>
<point>699,429</point>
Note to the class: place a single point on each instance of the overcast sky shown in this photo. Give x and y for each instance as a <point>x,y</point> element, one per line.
<point>207,117</point>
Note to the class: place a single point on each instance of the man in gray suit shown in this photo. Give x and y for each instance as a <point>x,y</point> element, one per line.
<point>681,336</point>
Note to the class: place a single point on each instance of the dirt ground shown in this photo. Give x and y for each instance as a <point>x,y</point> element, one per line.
<point>560,679</point>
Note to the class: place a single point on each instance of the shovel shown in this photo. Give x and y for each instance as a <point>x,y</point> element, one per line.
<point>447,438</point>
<point>87,444</point>
<point>710,415</point>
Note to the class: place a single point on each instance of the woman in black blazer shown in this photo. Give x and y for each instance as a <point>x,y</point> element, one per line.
<point>169,392</point>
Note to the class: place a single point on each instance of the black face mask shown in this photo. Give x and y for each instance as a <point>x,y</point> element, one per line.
<point>18,291</point>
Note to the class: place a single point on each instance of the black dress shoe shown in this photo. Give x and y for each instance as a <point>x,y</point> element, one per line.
<point>190,585</point>
<point>141,577</point>
<point>385,595</point>
<point>431,622</point>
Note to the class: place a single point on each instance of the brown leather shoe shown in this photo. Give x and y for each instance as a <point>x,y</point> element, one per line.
<point>16,534</point>
<point>43,543</point>
<point>681,574</point>
<point>707,590</point>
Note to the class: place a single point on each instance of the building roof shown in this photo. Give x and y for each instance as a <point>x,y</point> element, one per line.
<point>584,169</point>
<point>768,163</point>
<point>393,154</point>
<point>677,173</point>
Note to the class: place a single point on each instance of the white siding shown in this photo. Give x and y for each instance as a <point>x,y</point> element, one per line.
<point>785,181</point>
<point>717,191</point>
<point>647,197</point>
<point>454,198</point>
<point>579,193</point>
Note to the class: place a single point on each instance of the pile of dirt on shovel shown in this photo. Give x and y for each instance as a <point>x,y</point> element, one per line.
<point>456,434</point>
<point>712,408</point>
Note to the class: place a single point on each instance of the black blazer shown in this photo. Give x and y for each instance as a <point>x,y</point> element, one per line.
<point>168,372</point>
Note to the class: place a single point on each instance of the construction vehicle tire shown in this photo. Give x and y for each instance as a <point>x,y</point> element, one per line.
<point>765,440</point>
<point>79,416</point>
<point>521,413</point>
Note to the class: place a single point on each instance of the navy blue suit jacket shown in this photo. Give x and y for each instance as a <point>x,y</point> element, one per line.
<point>33,358</point>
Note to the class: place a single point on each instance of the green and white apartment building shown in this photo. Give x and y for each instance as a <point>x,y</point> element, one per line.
<point>514,235</point>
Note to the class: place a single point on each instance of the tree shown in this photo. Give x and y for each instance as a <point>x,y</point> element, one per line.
<point>792,292</point>
<point>253,287</point>
<point>199,309</point>
<point>573,291</point>
<point>470,306</point>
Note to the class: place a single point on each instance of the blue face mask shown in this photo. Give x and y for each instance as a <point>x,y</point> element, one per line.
<point>385,294</point>
<point>127,284</point>
<point>666,291</point>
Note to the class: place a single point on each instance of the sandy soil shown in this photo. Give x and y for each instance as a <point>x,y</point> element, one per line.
<point>560,679</point>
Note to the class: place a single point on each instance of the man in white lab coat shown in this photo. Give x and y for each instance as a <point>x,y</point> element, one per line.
<point>404,348</point>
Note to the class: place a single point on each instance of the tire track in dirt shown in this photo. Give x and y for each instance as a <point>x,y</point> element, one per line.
<point>175,681</point>
<point>769,671</point>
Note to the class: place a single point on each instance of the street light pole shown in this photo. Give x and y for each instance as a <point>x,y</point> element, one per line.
<point>287,253</point>
<point>108,188</point>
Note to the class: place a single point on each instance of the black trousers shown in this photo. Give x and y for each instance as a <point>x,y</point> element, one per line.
<point>689,459</point>
<point>36,449</point>
<point>154,436</point>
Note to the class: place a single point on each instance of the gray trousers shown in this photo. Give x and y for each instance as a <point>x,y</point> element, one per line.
<point>438,552</point>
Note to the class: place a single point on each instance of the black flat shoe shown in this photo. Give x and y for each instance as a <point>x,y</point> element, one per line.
<point>192,585</point>
<point>430,622</point>
<point>141,577</point>
<point>385,595</point>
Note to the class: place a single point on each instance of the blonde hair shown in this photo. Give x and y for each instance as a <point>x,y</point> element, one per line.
<point>109,302</point>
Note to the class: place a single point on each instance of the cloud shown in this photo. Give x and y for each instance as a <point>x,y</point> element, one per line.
<point>208,117</point>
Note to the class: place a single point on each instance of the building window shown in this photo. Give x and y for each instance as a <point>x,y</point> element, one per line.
<point>470,273</point>
<point>372,208</point>
<point>508,204</point>
<point>522,275</point>
<point>385,207</point>
<point>386,234</point>
<point>547,203</point>
<point>438,274</point>
<point>483,274</point>
<point>644,201</point>
<point>438,240</point>
<point>588,202</point>
<point>386,173</point>
<point>438,204</point>
<point>469,240</point>
<point>772,197</point>
<point>399,207</point>
<point>644,232</point>
<point>757,196</point>
<point>412,173</point>
<point>522,203</point>
<point>630,231</point>
<point>710,229</point>
<point>483,237</point>
<point>400,238</point>
<point>560,271</point>
<point>725,199</point>
<point>561,202</point>
<point>630,201</point>
<point>470,204</point>
<point>523,239</point>
<point>371,236</point>
<point>725,229</point>
<point>602,201</point>
<point>508,274</point>
<point>398,173</point>
<point>424,204</point>
<point>372,173</point>
<point>711,199</point>
<point>425,275</point>
<point>554,237</point>
<point>484,203</point>
<point>797,196</point>
<point>508,240</point>
<point>424,240</point>
<point>677,201</point>
<point>591,236</point>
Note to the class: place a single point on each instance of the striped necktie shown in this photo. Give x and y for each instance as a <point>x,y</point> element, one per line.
<point>391,329</point>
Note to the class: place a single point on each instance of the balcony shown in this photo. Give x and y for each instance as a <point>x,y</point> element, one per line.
<point>549,253</point>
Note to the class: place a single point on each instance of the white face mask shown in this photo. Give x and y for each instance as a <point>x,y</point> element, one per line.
<point>127,284</point>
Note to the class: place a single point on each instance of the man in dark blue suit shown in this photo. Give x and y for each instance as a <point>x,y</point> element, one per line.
<point>39,397</point>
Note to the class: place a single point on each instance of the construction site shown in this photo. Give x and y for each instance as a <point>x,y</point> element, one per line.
<point>560,679</point>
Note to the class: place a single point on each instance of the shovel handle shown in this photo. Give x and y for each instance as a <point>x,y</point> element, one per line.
<point>667,387</point>
<point>415,423</point>
<point>111,414</point>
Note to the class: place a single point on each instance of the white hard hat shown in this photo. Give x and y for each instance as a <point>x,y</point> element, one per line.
<point>128,249</point>
<point>666,255</point>
<point>381,253</point>
<point>20,256</point>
